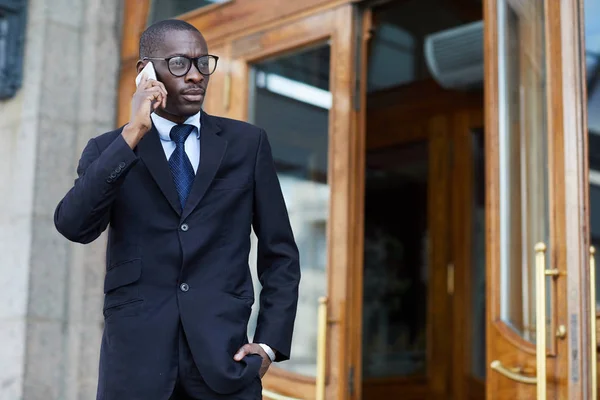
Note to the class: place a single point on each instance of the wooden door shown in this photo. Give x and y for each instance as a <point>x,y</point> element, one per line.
<point>424,299</point>
<point>294,79</point>
<point>538,328</point>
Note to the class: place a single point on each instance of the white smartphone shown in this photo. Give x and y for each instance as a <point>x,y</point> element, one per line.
<point>148,71</point>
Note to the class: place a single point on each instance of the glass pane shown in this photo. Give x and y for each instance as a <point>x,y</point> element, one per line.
<point>395,265</point>
<point>290,99</point>
<point>3,45</point>
<point>165,9</point>
<point>524,215</point>
<point>478,291</point>
<point>592,53</point>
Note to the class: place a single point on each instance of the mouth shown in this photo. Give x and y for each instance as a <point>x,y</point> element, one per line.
<point>193,95</point>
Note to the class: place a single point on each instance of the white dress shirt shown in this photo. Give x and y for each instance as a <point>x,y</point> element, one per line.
<point>192,143</point>
<point>192,149</point>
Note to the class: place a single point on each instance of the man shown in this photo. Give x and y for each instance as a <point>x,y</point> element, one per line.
<point>180,190</point>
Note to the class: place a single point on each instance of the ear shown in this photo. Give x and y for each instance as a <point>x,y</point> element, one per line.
<point>140,66</point>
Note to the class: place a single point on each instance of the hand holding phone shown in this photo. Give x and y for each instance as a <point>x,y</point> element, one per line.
<point>150,95</point>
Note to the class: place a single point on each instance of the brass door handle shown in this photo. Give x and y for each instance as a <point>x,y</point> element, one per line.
<point>540,318</point>
<point>321,349</point>
<point>496,365</point>
<point>594,346</point>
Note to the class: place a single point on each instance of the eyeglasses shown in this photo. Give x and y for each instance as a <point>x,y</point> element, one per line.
<point>180,65</point>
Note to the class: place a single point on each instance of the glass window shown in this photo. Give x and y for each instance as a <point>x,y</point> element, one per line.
<point>165,9</point>
<point>3,44</point>
<point>396,264</point>
<point>290,99</point>
<point>524,215</point>
<point>478,291</point>
<point>592,55</point>
<point>13,17</point>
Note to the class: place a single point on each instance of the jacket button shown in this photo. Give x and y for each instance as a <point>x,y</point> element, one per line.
<point>184,287</point>
<point>185,227</point>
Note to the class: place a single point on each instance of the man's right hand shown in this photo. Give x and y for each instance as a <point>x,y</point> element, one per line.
<point>149,96</point>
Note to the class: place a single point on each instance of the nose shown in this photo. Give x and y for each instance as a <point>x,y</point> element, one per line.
<point>194,74</point>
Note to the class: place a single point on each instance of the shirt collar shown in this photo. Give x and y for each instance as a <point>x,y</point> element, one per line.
<point>163,125</point>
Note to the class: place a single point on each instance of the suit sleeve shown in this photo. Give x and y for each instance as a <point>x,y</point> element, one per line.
<point>278,261</point>
<point>84,213</point>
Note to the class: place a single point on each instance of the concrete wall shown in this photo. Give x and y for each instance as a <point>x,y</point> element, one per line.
<point>50,289</point>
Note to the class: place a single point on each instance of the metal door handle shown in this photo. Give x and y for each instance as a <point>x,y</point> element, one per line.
<point>511,374</point>
<point>321,349</point>
<point>540,316</point>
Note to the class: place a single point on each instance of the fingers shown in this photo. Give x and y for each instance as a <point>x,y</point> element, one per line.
<point>243,352</point>
<point>153,85</point>
<point>157,97</point>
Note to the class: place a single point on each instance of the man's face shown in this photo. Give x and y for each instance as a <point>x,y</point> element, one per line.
<point>185,94</point>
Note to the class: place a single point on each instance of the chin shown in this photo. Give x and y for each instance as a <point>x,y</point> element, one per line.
<point>190,109</point>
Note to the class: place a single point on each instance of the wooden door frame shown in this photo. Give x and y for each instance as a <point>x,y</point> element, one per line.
<point>569,115</point>
<point>569,186</point>
<point>333,25</point>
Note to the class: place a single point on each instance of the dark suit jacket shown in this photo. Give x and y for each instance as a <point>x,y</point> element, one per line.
<point>166,265</point>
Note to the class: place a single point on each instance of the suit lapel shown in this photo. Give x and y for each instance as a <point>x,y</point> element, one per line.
<point>212,150</point>
<point>152,153</point>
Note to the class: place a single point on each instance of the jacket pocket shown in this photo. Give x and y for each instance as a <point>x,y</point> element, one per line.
<point>122,274</point>
<point>128,308</point>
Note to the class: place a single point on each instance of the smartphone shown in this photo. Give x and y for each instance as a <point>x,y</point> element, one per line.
<point>148,71</point>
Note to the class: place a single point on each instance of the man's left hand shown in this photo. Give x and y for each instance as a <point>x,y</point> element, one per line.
<point>253,348</point>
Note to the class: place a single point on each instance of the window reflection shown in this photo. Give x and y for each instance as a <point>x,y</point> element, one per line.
<point>478,291</point>
<point>592,56</point>
<point>524,214</point>
<point>290,98</point>
<point>396,261</point>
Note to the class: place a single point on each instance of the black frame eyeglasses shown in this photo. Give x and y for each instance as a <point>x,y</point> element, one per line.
<point>180,65</point>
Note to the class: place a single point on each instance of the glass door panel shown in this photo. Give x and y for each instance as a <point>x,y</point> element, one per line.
<point>592,58</point>
<point>290,99</point>
<point>396,262</point>
<point>477,257</point>
<point>524,214</point>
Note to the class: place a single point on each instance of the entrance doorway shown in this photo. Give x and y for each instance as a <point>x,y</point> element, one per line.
<point>423,331</point>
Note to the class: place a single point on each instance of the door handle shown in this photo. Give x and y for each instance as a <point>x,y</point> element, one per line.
<point>540,317</point>
<point>594,346</point>
<point>511,373</point>
<point>540,328</point>
<point>321,348</point>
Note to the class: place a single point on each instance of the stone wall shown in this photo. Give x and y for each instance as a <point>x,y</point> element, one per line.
<point>50,289</point>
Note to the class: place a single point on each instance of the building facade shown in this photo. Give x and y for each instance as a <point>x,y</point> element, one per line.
<point>51,290</point>
<point>438,159</point>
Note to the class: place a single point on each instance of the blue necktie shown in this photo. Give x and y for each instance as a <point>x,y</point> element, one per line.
<point>181,167</point>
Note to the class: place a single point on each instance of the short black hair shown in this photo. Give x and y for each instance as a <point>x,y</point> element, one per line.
<point>155,33</point>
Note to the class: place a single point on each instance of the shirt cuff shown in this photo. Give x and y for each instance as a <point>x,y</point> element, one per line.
<point>268,350</point>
